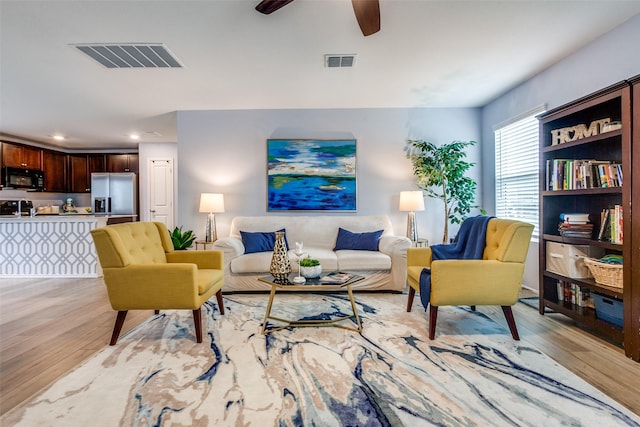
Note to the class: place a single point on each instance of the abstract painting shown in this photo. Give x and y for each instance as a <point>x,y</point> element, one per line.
<point>311,175</point>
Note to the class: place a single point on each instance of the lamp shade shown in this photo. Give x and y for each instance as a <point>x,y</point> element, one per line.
<point>411,201</point>
<point>211,202</point>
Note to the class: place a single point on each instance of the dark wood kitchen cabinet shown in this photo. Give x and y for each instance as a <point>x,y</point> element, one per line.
<point>122,163</point>
<point>81,166</point>
<point>21,156</point>
<point>54,165</point>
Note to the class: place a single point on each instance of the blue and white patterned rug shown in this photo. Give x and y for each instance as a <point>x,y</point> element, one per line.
<point>473,373</point>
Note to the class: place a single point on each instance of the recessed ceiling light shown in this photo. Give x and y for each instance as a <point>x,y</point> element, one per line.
<point>59,137</point>
<point>134,136</point>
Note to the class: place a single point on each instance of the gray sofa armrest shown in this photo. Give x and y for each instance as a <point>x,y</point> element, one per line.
<point>230,246</point>
<point>396,247</point>
<point>392,244</point>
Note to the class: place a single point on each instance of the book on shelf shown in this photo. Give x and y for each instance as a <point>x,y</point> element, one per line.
<point>575,225</point>
<point>336,278</point>
<point>568,174</point>
<point>575,218</point>
<point>611,225</point>
<point>574,294</point>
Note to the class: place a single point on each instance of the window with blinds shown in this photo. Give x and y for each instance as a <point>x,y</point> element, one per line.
<point>517,187</point>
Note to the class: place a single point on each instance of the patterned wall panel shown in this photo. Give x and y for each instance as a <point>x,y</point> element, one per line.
<point>41,247</point>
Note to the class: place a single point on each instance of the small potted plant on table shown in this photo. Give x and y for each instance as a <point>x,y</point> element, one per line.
<point>310,268</point>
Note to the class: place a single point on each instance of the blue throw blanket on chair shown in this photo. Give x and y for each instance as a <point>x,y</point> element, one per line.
<point>468,244</point>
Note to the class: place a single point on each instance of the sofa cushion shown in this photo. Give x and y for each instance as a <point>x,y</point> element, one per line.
<point>362,260</point>
<point>327,258</point>
<point>367,241</point>
<point>258,262</point>
<point>260,241</point>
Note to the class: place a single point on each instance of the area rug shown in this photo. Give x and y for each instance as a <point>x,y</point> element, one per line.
<point>473,373</point>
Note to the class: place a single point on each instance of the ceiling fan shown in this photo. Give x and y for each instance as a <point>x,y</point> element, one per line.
<point>367,12</point>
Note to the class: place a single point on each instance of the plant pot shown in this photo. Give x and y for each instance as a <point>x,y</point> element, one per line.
<point>311,272</point>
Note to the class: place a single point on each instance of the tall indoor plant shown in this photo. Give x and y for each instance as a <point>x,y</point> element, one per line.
<point>441,172</point>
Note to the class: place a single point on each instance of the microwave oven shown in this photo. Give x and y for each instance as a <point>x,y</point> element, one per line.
<point>28,179</point>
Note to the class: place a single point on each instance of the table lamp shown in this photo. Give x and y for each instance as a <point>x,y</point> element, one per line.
<point>211,203</point>
<point>412,201</point>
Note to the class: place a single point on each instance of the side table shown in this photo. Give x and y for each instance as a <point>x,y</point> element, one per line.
<point>421,243</point>
<point>203,243</point>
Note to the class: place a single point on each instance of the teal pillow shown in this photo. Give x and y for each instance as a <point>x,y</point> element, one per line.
<point>260,241</point>
<point>357,241</point>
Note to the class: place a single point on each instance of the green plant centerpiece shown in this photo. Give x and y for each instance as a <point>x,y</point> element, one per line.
<point>310,268</point>
<point>182,240</point>
<point>309,262</point>
<point>441,172</point>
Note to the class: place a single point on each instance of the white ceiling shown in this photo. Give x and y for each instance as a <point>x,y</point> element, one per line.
<point>428,53</point>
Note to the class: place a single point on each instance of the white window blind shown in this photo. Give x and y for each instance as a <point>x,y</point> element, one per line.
<point>517,187</point>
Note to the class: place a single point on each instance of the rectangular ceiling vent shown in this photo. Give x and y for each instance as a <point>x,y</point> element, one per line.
<point>339,61</point>
<point>130,55</point>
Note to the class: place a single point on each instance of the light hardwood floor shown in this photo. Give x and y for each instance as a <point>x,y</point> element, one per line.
<point>49,326</point>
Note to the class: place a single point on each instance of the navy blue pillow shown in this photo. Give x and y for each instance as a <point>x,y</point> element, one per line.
<point>357,241</point>
<point>260,241</point>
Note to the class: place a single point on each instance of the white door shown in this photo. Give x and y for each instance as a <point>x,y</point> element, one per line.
<point>161,192</point>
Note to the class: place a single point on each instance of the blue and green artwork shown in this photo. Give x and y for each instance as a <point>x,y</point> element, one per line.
<point>311,175</point>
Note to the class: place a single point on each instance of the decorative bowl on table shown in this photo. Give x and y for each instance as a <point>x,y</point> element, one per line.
<point>310,268</point>
<point>311,272</point>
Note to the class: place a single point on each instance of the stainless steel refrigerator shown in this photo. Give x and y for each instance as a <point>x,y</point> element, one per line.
<point>114,193</point>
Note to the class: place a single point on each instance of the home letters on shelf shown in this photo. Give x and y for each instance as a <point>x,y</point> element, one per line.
<point>574,133</point>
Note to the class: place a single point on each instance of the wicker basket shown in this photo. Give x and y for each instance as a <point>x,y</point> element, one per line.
<point>605,274</point>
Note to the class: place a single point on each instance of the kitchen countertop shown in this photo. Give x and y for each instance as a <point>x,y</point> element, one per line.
<point>60,217</point>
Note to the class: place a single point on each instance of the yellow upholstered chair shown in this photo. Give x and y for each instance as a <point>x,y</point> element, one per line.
<point>143,272</point>
<point>494,280</point>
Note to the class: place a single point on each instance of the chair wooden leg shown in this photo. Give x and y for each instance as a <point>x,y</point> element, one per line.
<point>508,314</point>
<point>197,321</point>
<point>433,317</point>
<point>220,304</point>
<point>412,293</point>
<point>473,308</point>
<point>118,327</point>
<point>156,311</point>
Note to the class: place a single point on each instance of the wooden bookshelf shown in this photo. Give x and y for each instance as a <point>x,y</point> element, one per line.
<point>615,103</point>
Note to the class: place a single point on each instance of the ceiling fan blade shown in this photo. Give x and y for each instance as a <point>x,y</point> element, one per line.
<point>268,6</point>
<point>368,15</point>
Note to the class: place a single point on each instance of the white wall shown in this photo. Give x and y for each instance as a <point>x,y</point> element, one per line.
<point>608,60</point>
<point>225,151</point>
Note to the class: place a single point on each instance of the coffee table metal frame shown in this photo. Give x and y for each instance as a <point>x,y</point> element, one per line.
<point>310,286</point>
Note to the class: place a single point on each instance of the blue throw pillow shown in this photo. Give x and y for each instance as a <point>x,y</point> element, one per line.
<point>357,241</point>
<point>260,241</point>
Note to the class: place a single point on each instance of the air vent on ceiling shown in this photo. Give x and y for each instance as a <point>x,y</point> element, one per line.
<point>130,55</point>
<point>339,61</point>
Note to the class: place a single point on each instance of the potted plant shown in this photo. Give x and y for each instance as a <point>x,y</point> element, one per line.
<point>182,240</point>
<point>441,174</point>
<point>310,268</point>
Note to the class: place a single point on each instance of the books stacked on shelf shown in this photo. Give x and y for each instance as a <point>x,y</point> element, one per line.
<point>575,225</point>
<point>565,174</point>
<point>336,278</point>
<point>571,293</point>
<point>611,225</point>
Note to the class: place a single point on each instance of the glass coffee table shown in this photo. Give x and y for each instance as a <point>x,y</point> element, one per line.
<point>311,285</point>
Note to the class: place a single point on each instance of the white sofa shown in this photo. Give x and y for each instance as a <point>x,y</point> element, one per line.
<point>384,270</point>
